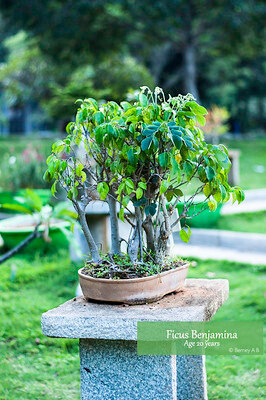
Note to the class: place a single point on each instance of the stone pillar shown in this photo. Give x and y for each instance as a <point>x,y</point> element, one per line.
<point>109,365</point>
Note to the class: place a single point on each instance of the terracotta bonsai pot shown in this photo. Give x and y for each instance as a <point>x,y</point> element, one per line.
<point>133,291</point>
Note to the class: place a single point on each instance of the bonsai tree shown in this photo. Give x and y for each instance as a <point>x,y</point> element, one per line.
<point>139,156</point>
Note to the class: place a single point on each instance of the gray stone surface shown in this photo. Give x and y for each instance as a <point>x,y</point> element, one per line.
<point>109,365</point>
<point>219,253</point>
<point>191,380</point>
<point>77,318</point>
<point>112,370</point>
<point>247,242</point>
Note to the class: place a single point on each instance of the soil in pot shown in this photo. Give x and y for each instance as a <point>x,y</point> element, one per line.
<point>115,279</point>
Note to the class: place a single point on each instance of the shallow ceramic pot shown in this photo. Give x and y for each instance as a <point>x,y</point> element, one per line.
<point>133,291</point>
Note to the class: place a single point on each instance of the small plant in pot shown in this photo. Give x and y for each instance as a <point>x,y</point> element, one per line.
<point>139,156</point>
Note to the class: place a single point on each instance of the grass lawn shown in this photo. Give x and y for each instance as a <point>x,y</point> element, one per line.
<point>236,377</point>
<point>36,367</point>
<point>245,222</point>
<point>253,153</point>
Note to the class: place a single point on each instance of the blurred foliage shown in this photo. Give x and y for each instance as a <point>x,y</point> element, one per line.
<point>24,170</point>
<point>211,48</point>
<point>22,163</point>
<point>216,123</point>
<point>112,79</point>
<point>254,222</point>
<point>25,74</point>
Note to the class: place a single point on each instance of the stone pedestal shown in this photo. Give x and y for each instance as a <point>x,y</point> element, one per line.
<point>234,173</point>
<point>109,364</point>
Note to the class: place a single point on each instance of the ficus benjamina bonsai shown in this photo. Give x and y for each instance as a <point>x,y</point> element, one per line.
<point>142,154</point>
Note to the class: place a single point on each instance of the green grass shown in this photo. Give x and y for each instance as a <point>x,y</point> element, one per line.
<point>35,367</point>
<point>50,369</point>
<point>236,377</point>
<point>245,222</point>
<point>253,153</point>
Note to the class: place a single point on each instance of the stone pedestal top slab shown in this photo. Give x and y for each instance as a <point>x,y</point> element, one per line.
<point>78,318</point>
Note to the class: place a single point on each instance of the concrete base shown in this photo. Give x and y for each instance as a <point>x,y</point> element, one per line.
<point>112,370</point>
<point>109,364</point>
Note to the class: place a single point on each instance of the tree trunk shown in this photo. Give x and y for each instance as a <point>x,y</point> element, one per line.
<point>86,230</point>
<point>149,231</point>
<point>139,226</point>
<point>115,238</point>
<point>162,248</point>
<point>190,69</point>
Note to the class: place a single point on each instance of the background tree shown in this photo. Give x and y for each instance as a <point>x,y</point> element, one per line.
<point>211,48</point>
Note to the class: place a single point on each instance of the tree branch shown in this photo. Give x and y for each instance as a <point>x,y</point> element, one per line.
<point>34,235</point>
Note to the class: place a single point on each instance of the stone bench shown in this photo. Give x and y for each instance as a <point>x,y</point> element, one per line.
<point>109,364</point>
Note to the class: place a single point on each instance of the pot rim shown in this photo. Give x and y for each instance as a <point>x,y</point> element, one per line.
<point>132,280</point>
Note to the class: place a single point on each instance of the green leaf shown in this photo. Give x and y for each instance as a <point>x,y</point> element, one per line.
<point>212,205</point>
<point>238,194</point>
<point>177,141</point>
<point>79,168</point>
<point>164,186</point>
<point>146,143</point>
<point>139,193</point>
<point>222,158</point>
<point>223,193</point>
<point>16,207</point>
<point>99,134</point>
<point>178,193</point>
<point>131,156</point>
<point>207,190</point>
<point>209,173</point>
<point>142,185</point>
<point>156,143</point>
<point>184,236</point>
<point>152,129</point>
<point>125,105</point>
<point>33,200</point>
<point>151,209</point>
<point>125,201</point>
<point>141,202</point>
<point>163,159</point>
<point>99,117</point>
<point>121,214</point>
<point>143,100</point>
<point>103,190</point>
<point>92,101</point>
<point>83,176</point>
<point>188,169</point>
<point>169,195</point>
<point>129,183</point>
<point>53,188</point>
<point>201,120</point>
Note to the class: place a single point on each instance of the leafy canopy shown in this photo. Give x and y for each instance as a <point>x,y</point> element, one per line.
<point>140,151</point>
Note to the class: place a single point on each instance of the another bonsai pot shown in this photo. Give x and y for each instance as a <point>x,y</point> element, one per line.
<point>133,291</point>
<point>205,219</point>
<point>15,229</point>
